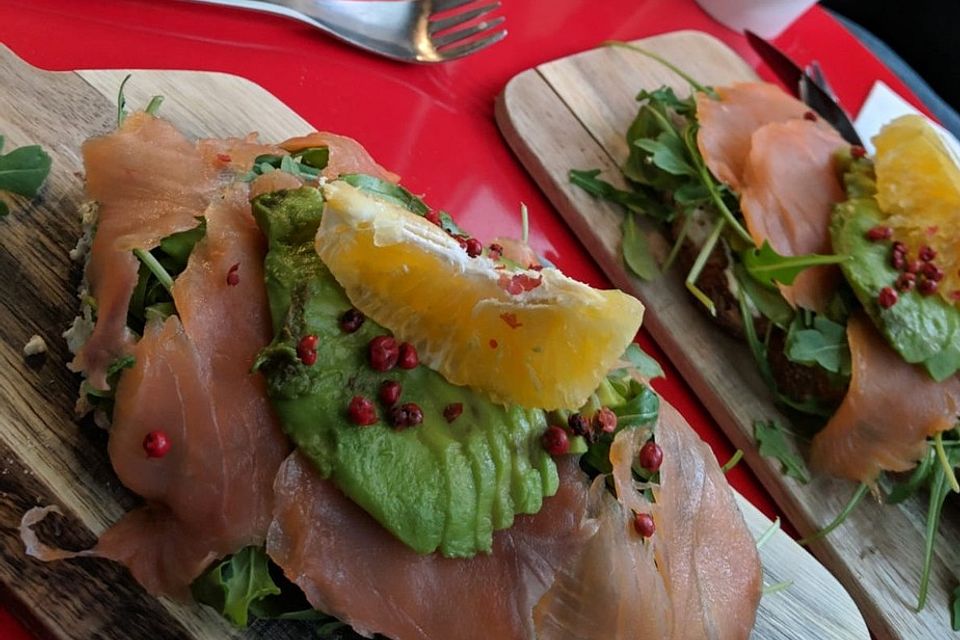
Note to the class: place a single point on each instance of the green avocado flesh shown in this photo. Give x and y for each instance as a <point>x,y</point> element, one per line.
<point>437,485</point>
<point>923,329</point>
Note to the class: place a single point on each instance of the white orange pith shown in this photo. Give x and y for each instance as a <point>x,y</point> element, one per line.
<point>533,338</point>
<point>918,187</point>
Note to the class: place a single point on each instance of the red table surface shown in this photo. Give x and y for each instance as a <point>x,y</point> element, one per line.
<point>433,125</point>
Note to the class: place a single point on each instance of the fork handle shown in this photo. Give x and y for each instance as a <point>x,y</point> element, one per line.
<point>370,25</point>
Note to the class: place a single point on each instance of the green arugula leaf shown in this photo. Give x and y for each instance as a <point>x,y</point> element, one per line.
<point>636,250</point>
<point>920,476</point>
<point>23,171</point>
<point>939,490</point>
<point>768,302</point>
<point>823,343</point>
<point>316,157</point>
<point>232,585</point>
<point>388,191</point>
<point>652,119</point>
<point>955,609</point>
<point>180,245</point>
<point>635,404</point>
<point>768,267</point>
<point>643,362</point>
<point>122,101</point>
<point>640,409</point>
<point>152,108</point>
<point>668,153</point>
<point>773,444</point>
<point>666,97</point>
<point>638,200</point>
<point>292,164</point>
<point>691,195</point>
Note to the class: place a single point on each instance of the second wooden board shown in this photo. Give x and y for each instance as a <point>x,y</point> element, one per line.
<point>573,113</point>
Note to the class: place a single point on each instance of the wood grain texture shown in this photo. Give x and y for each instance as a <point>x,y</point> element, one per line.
<point>572,114</point>
<point>46,457</point>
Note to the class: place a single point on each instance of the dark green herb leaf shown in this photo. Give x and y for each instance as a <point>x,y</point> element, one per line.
<point>179,245</point>
<point>768,267</point>
<point>939,489</point>
<point>668,153</point>
<point>921,474</point>
<point>652,120</point>
<point>640,409</point>
<point>388,191</point>
<point>637,200</point>
<point>636,250</point>
<point>768,302</point>
<point>955,609</point>
<point>862,489</point>
<point>665,97</point>
<point>772,443</point>
<point>316,157</point>
<point>23,170</point>
<point>824,343</point>
<point>4,209</point>
<point>122,102</point>
<point>233,585</point>
<point>291,164</point>
<point>691,195</point>
<point>643,362</point>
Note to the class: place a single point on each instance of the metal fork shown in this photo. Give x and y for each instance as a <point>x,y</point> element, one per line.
<point>408,30</point>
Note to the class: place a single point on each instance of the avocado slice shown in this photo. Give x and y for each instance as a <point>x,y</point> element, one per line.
<point>923,329</point>
<point>436,486</point>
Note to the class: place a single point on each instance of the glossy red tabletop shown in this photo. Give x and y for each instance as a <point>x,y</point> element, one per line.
<point>433,125</point>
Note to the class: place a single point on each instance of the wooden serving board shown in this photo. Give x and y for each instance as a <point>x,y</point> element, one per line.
<point>573,113</point>
<point>46,457</point>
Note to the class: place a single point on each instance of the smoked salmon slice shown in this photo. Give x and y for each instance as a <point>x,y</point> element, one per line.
<point>150,182</point>
<point>707,562</point>
<point>212,494</point>
<point>790,185</point>
<point>611,589</point>
<point>890,410</point>
<point>727,123</point>
<point>351,567</point>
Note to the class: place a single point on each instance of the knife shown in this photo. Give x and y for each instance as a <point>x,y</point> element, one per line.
<point>804,87</point>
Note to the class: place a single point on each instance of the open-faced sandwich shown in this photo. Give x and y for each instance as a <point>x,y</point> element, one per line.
<point>839,270</point>
<point>336,404</point>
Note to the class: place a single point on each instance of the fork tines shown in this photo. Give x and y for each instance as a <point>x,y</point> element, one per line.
<point>456,28</point>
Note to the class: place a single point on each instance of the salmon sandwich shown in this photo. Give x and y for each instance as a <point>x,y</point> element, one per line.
<point>840,270</point>
<point>340,407</point>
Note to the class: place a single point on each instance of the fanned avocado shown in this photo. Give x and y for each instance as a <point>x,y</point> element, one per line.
<point>439,485</point>
<point>923,329</point>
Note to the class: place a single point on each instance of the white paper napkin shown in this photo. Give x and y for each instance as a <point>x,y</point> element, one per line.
<point>883,104</point>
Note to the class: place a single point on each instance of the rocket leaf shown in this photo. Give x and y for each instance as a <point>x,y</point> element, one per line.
<point>23,171</point>
<point>768,267</point>
<point>773,444</point>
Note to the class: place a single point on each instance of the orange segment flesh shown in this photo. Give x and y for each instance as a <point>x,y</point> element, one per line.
<point>548,346</point>
<point>918,186</point>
